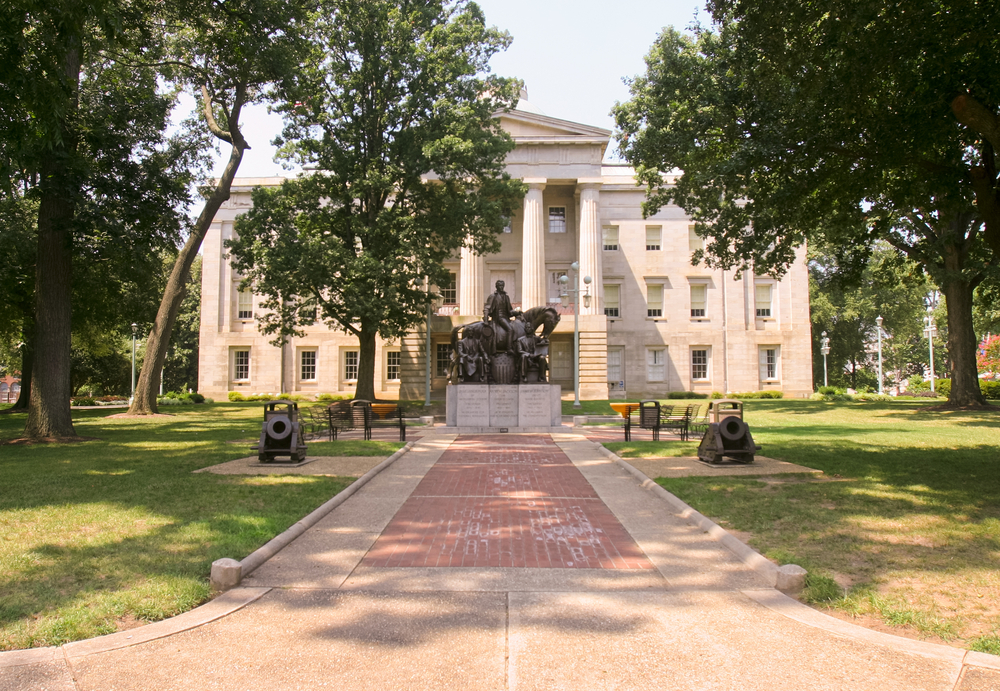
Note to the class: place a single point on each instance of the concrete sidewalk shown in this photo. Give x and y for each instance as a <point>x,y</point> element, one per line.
<point>682,612</point>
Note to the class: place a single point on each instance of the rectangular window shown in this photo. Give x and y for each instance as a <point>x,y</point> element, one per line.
<point>610,238</point>
<point>611,301</point>
<point>392,365</point>
<point>762,299</point>
<point>241,365</point>
<point>555,287</point>
<point>449,292</point>
<point>654,300</point>
<point>615,365</point>
<point>695,242</point>
<point>557,219</point>
<point>244,305</point>
<point>654,235</point>
<point>699,364</point>
<point>350,365</point>
<point>698,298</point>
<point>655,364</point>
<point>443,360</point>
<point>769,363</point>
<point>308,365</point>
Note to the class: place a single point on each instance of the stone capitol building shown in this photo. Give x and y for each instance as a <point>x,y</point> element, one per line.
<point>654,322</point>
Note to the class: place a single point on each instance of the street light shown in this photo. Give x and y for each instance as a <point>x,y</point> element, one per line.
<point>135,328</point>
<point>878,322</point>
<point>930,330</point>
<point>824,347</point>
<point>564,297</point>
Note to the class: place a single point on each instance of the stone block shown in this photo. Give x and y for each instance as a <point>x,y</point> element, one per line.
<point>226,574</point>
<point>791,579</point>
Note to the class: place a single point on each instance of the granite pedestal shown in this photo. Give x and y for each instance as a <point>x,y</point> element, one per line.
<point>504,406</point>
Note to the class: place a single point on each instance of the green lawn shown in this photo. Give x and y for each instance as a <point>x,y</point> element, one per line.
<point>102,535</point>
<point>903,528</point>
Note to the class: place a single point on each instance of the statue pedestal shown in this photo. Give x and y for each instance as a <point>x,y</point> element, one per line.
<point>490,407</point>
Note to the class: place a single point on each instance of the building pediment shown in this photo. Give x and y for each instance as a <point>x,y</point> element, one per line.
<point>527,127</point>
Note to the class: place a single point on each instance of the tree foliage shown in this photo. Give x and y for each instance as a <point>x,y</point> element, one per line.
<point>394,113</point>
<point>846,307</point>
<point>83,136</point>
<point>839,122</point>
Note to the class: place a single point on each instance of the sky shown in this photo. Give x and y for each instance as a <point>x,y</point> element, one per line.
<point>571,55</point>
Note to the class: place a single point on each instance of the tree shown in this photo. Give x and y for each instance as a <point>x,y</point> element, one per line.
<point>989,355</point>
<point>83,136</point>
<point>228,55</point>
<point>832,122</point>
<point>845,305</point>
<point>180,368</point>
<point>393,113</point>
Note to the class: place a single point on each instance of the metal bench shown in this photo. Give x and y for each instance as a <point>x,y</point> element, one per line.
<point>384,415</point>
<point>345,415</point>
<point>677,418</point>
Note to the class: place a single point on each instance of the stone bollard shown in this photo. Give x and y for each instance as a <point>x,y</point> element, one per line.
<point>579,420</point>
<point>791,579</point>
<point>226,574</point>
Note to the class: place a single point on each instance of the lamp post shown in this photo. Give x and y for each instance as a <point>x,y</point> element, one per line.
<point>878,322</point>
<point>135,329</point>
<point>930,330</point>
<point>564,297</point>
<point>824,347</point>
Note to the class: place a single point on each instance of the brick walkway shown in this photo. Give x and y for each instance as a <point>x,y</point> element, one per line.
<point>505,501</point>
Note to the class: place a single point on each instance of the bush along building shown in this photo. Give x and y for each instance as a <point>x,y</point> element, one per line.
<point>654,323</point>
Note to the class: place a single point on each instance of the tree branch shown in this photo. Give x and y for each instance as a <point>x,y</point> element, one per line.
<point>213,126</point>
<point>974,115</point>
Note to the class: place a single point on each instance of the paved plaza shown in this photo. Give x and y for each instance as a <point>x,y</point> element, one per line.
<point>502,562</point>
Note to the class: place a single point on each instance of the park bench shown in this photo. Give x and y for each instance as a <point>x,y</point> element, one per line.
<point>384,415</point>
<point>699,425</point>
<point>677,418</point>
<point>345,415</point>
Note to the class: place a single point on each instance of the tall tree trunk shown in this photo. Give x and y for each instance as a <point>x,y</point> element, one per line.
<point>964,372</point>
<point>366,365</point>
<point>49,406</point>
<point>158,341</point>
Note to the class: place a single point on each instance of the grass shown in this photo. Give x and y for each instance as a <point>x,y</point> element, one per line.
<point>904,527</point>
<point>104,535</point>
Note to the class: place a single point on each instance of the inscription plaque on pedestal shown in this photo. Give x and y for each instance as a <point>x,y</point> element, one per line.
<point>534,405</point>
<point>473,405</point>
<point>503,406</point>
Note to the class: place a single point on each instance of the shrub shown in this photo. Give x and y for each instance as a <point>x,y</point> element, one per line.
<point>943,387</point>
<point>831,389</point>
<point>196,397</point>
<point>717,395</point>
<point>685,394</point>
<point>331,397</point>
<point>165,400</point>
<point>236,396</point>
<point>920,393</point>
<point>872,397</point>
<point>746,395</point>
<point>990,389</point>
<point>83,400</point>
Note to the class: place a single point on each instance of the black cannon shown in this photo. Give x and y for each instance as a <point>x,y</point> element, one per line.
<point>727,434</point>
<point>281,433</point>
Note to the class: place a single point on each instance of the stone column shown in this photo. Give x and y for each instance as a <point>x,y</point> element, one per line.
<point>533,285</point>
<point>470,290</point>
<point>590,243</point>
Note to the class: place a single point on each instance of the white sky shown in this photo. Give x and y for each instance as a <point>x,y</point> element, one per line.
<point>571,55</point>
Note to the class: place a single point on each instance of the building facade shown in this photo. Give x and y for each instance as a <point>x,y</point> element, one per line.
<point>654,322</point>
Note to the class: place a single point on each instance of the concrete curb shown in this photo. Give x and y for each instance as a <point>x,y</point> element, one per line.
<point>222,606</point>
<point>789,578</point>
<point>804,614</point>
<point>228,573</point>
